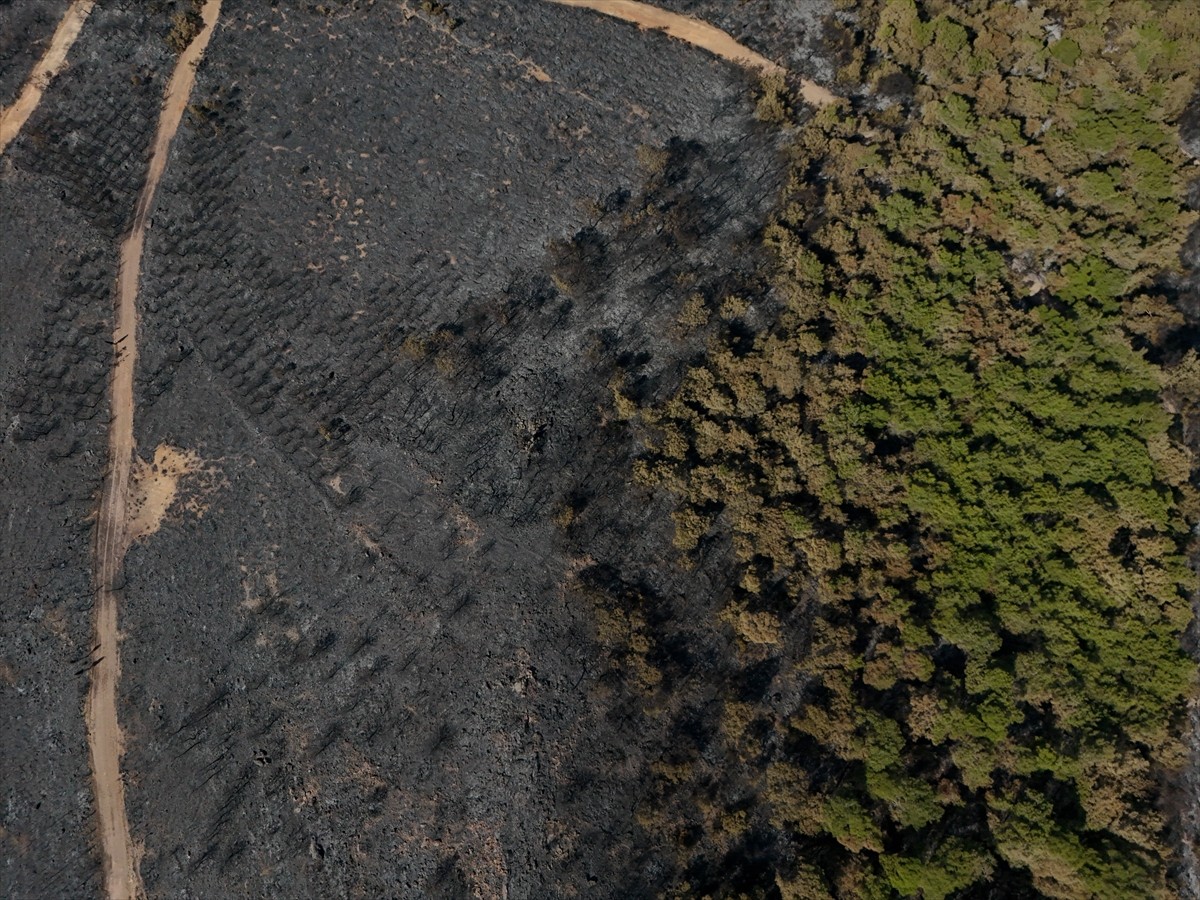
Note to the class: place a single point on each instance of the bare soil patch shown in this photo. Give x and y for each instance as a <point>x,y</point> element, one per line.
<point>155,488</point>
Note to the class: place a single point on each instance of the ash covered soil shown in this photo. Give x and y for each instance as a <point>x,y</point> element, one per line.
<point>395,262</point>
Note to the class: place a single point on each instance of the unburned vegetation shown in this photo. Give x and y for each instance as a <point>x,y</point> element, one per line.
<point>948,477</point>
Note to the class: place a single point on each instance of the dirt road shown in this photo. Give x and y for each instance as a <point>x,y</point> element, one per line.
<point>113,533</point>
<point>13,117</point>
<point>699,34</point>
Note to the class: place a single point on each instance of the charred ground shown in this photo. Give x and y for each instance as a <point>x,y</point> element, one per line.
<point>396,260</point>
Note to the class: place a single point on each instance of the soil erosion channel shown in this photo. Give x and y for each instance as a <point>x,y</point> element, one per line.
<point>52,62</point>
<point>113,532</point>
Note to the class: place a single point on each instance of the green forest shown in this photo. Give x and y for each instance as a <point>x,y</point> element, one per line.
<point>952,464</point>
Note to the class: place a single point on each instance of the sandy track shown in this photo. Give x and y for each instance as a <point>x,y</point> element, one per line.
<point>113,532</point>
<point>699,34</point>
<point>12,118</point>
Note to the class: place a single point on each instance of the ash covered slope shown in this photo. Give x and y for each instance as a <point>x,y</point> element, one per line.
<point>352,662</point>
<point>67,187</point>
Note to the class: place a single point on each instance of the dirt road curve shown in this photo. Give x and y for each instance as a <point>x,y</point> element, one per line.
<point>122,881</point>
<point>12,118</point>
<point>699,34</point>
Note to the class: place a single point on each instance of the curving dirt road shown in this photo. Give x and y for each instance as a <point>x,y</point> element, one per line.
<point>13,117</point>
<point>113,531</point>
<point>702,35</point>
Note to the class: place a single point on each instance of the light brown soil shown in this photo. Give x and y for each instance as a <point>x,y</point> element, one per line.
<point>702,35</point>
<point>13,117</point>
<point>115,530</point>
<point>155,486</point>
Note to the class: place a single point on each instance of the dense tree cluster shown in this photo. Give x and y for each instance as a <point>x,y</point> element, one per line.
<point>952,452</point>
